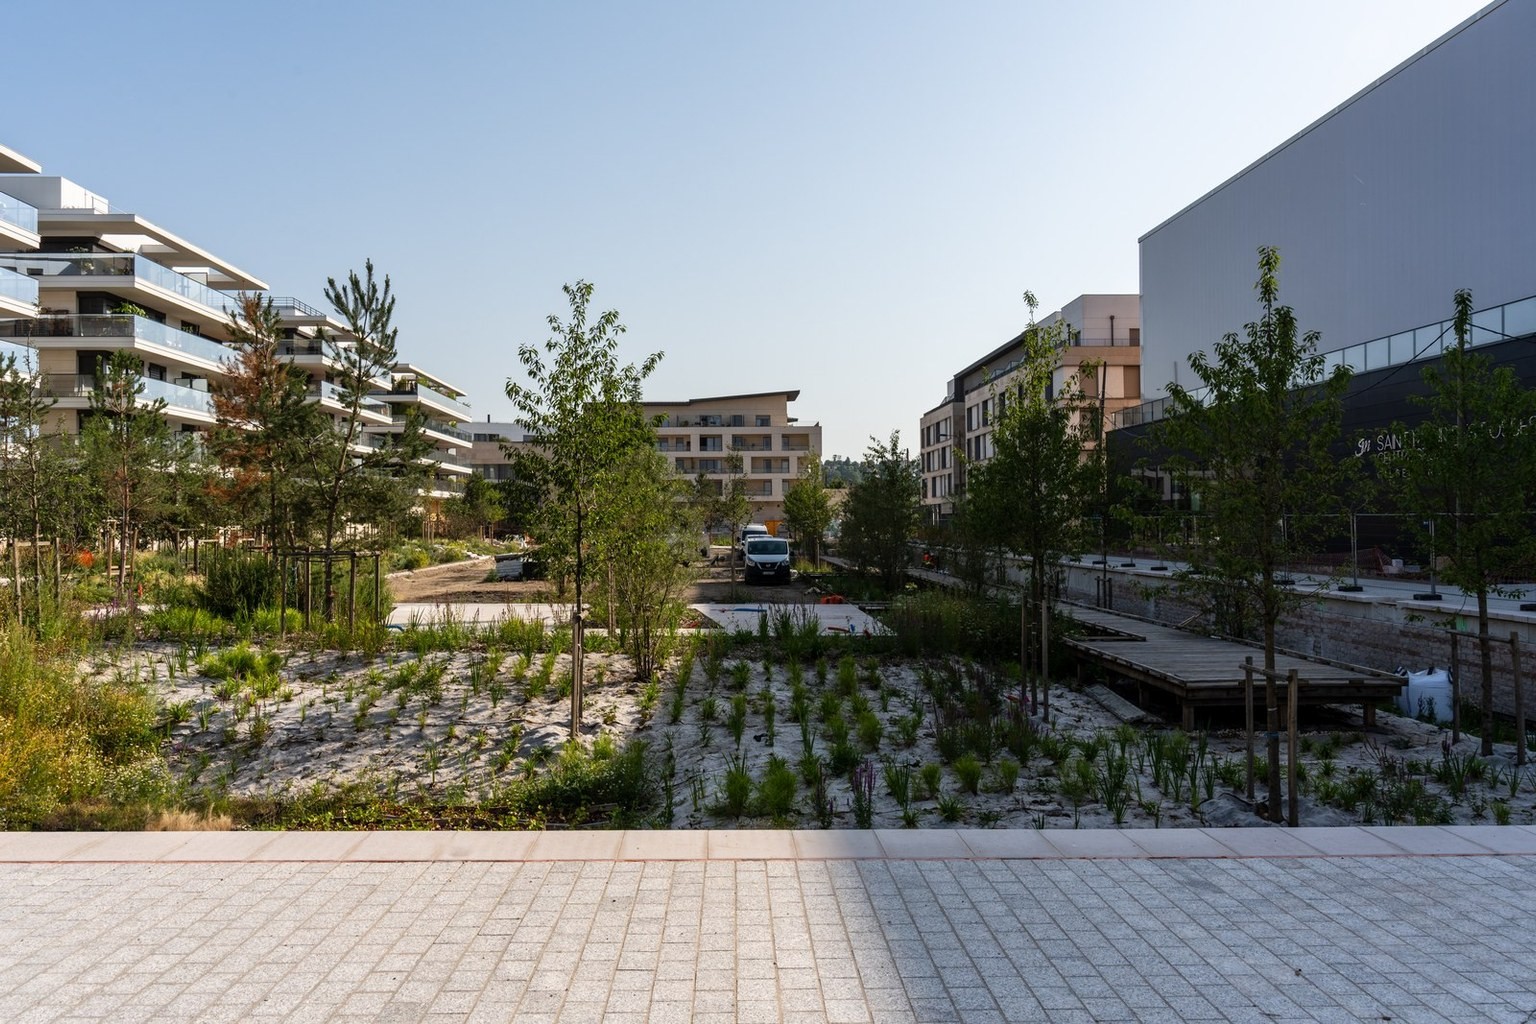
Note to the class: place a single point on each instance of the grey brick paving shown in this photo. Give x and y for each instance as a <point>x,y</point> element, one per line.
<point>1333,938</point>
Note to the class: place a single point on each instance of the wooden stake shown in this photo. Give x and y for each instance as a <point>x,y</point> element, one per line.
<point>1248,718</point>
<point>1293,714</point>
<point>1455,689</point>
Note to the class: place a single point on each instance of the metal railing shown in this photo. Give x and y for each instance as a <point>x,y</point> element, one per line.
<point>287,304</point>
<point>1494,324</point>
<point>325,390</point>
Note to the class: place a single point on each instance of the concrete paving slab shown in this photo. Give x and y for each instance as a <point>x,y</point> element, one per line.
<point>1498,838</point>
<point>1260,842</point>
<point>308,846</point>
<point>836,619</point>
<point>661,845</point>
<point>1176,842</point>
<point>751,844</point>
<point>133,846</point>
<point>834,845</point>
<point>1093,843</point>
<point>220,846</point>
<point>47,846</point>
<point>576,845</point>
<point>1008,844</point>
<point>1431,839</point>
<point>921,844</point>
<point>450,846</point>
<point>1345,841</point>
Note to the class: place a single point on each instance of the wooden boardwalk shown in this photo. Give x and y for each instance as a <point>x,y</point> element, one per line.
<point>1204,672</point>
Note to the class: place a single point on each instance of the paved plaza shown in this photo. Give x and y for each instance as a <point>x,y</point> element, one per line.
<point>1252,925</point>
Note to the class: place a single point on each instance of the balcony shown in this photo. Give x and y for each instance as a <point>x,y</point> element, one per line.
<point>752,489</point>
<point>674,446</point>
<point>328,392</point>
<point>177,397</point>
<point>120,326</point>
<point>786,445</point>
<point>145,272</point>
<point>453,406</point>
<point>18,214</point>
<point>290,308</point>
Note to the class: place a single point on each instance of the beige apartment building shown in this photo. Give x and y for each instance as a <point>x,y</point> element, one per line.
<point>701,435</point>
<point>1102,357</point>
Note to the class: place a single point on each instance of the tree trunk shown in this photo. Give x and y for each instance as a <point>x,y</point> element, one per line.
<point>577,667</point>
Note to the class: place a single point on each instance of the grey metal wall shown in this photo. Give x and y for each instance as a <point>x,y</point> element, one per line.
<point>1422,184</point>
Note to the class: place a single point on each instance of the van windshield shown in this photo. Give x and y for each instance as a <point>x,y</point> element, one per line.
<point>767,546</point>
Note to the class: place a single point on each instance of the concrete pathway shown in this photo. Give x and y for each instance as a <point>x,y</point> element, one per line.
<point>1260,925</point>
<point>834,618</point>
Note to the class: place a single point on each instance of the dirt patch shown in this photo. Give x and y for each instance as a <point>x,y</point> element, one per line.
<point>466,582</point>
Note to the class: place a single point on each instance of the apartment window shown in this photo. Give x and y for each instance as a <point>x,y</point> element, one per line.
<point>943,458</point>
<point>765,421</point>
<point>738,421</point>
<point>986,412</point>
<point>970,418</point>
<point>1132,377</point>
<point>1135,335</point>
<point>711,444</point>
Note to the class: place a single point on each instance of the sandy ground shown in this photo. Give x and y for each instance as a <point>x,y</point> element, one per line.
<point>453,727</point>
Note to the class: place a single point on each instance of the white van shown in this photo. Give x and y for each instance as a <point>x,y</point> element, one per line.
<point>747,533</point>
<point>767,558</point>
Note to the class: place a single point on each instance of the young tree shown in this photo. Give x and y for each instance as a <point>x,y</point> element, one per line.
<point>130,449</point>
<point>642,537</point>
<point>478,509</point>
<point>1472,465</point>
<point>807,507</point>
<point>33,476</point>
<point>883,511</point>
<point>1255,447</point>
<point>353,482</point>
<point>732,507</point>
<point>1030,495</point>
<point>581,412</point>
<point>266,422</point>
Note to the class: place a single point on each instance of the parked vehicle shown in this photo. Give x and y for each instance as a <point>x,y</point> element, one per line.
<point>767,559</point>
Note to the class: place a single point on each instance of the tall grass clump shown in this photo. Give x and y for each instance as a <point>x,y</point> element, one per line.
<point>64,740</point>
<point>236,583</point>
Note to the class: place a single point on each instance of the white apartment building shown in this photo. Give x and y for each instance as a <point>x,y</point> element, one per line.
<point>701,434</point>
<point>80,279</point>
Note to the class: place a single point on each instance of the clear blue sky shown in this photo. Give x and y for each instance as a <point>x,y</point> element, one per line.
<point>843,198</point>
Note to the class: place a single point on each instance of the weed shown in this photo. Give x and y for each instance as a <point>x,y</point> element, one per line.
<point>968,773</point>
<point>862,780</point>
<point>898,782</point>
<point>951,808</point>
<point>776,790</point>
<point>932,777</point>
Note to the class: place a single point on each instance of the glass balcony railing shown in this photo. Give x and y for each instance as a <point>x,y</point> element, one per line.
<point>330,392</point>
<point>80,385</point>
<point>422,391</point>
<point>14,211</point>
<point>19,287</point>
<point>120,325</point>
<point>1497,323</point>
<point>108,264</point>
<point>25,356</point>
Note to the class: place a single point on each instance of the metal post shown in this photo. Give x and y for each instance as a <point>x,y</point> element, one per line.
<point>282,592</point>
<point>309,590</point>
<point>1455,688</point>
<point>1248,717</point>
<point>351,591</point>
<point>378,612</point>
<point>1293,712</point>
<point>1514,665</point>
<point>1045,661</point>
<point>576,673</point>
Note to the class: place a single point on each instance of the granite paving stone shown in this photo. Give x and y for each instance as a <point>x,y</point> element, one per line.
<point>1269,925</point>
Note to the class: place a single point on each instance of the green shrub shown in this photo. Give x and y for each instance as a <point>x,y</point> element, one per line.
<point>968,772</point>
<point>237,583</point>
<point>776,789</point>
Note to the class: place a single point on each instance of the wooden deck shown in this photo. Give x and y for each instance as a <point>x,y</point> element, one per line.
<point>1204,672</point>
